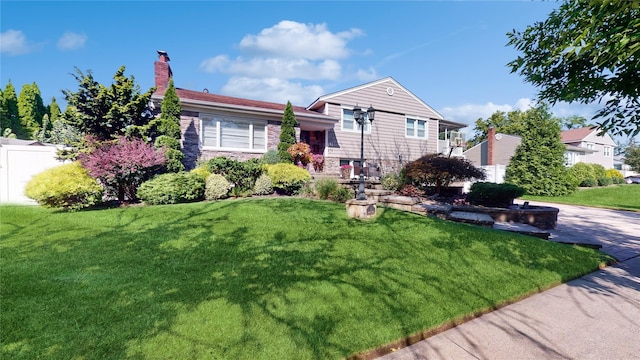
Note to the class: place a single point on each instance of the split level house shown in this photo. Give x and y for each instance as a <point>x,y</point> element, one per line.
<point>582,145</point>
<point>404,126</point>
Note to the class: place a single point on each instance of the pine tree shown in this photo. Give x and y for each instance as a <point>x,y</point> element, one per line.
<point>55,113</point>
<point>287,133</point>
<point>538,163</point>
<point>31,110</point>
<point>11,118</point>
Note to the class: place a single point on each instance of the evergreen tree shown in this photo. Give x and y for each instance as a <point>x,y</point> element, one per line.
<point>43,134</point>
<point>168,127</point>
<point>55,113</point>
<point>11,118</point>
<point>287,133</point>
<point>107,112</point>
<point>538,163</point>
<point>31,110</point>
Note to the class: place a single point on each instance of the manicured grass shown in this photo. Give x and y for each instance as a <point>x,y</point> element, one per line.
<point>619,197</point>
<point>252,279</point>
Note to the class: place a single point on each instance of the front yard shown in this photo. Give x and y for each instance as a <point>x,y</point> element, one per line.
<point>280,278</point>
<point>617,197</point>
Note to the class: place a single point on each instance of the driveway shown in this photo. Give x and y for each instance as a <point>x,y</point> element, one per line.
<point>594,317</point>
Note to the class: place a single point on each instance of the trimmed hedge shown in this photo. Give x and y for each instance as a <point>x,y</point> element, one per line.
<point>67,187</point>
<point>172,188</point>
<point>217,187</point>
<point>263,185</point>
<point>287,179</point>
<point>494,195</point>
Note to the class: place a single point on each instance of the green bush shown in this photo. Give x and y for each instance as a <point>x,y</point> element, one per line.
<point>263,185</point>
<point>325,187</point>
<point>172,188</point>
<point>172,152</point>
<point>581,172</point>
<point>217,187</point>
<point>287,178</point>
<point>598,171</point>
<point>604,181</point>
<point>202,172</point>
<point>591,182</point>
<point>271,157</point>
<point>342,194</point>
<point>66,187</point>
<point>615,175</point>
<point>241,174</point>
<point>494,195</point>
<point>391,182</point>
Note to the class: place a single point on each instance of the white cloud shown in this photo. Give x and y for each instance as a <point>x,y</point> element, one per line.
<point>71,41</point>
<point>14,42</point>
<point>292,39</point>
<point>469,113</point>
<point>272,89</point>
<point>287,62</point>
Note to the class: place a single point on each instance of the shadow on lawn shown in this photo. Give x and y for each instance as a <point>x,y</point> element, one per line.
<point>232,288</point>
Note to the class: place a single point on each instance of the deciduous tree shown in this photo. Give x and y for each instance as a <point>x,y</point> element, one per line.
<point>434,170</point>
<point>586,51</point>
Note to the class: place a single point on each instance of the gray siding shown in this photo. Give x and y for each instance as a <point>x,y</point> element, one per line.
<point>387,141</point>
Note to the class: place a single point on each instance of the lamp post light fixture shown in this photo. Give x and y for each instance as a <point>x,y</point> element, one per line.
<point>359,116</point>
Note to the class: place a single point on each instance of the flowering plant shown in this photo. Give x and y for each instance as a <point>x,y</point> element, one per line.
<point>318,162</point>
<point>346,167</point>
<point>300,153</point>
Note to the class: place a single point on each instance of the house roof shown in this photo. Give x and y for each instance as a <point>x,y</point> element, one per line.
<point>11,141</point>
<point>573,135</point>
<point>312,120</point>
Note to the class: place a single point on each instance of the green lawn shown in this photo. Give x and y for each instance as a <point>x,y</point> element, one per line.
<point>271,278</point>
<point>620,197</point>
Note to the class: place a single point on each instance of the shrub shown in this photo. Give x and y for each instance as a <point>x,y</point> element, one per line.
<point>241,174</point>
<point>411,190</point>
<point>263,185</point>
<point>68,187</point>
<point>172,152</point>
<point>591,182</point>
<point>287,178</point>
<point>581,172</point>
<point>318,162</point>
<point>271,157</point>
<point>391,181</point>
<point>217,187</point>
<point>439,171</point>
<point>300,153</point>
<point>122,166</point>
<point>492,194</point>
<point>616,176</point>
<point>202,172</point>
<point>599,171</point>
<point>604,181</point>
<point>326,187</point>
<point>342,194</point>
<point>172,188</point>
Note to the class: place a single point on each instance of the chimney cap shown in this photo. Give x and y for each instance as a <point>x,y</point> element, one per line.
<point>162,53</point>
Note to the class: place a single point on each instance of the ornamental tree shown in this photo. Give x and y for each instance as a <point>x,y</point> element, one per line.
<point>287,133</point>
<point>538,162</point>
<point>107,112</point>
<point>632,156</point>
<point>434,170</point>
<point>121,166</point>
<point>586,51</point>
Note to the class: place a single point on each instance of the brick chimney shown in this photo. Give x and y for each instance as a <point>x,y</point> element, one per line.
<point>491,144</point>
<point>162,70</point>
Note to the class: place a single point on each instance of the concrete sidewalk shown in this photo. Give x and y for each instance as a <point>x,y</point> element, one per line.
<point>593,317</point>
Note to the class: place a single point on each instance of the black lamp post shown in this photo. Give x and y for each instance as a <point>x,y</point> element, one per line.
<point>358,115</point>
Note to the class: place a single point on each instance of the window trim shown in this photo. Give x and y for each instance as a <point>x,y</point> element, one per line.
<point>218,123</point>
<point>416,121</point>
<point>356,127</point>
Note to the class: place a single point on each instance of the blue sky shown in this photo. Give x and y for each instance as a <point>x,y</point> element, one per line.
<point>452,55</point>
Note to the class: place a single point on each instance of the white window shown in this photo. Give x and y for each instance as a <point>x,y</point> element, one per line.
<point>231,133</point>
<point>416,128</point>
<point>590,146</point>
<point>607,151</point>
<point>350,124</point>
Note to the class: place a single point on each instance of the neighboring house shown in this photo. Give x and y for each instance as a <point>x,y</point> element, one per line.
<point>582,145</point>
<point>20,160</point>
<point>618,164</point>
<point>404,127</point>
<point>585,145</point>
